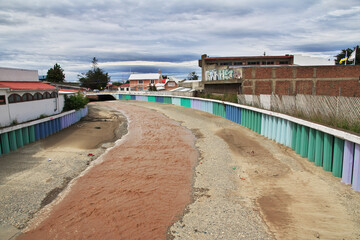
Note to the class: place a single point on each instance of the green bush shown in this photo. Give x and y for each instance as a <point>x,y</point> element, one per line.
<point>75,102</point>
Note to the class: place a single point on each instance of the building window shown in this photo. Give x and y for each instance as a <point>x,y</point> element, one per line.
<point>14,98</point>
<point>27,97</point>
<point>225,63</point>
<point>38,96</point>
<point>140,88</point>
<point>238,63</point>
<point>152,81</point>
<point>284,62</point>
<point>54,95</point>
<point>141,81</point>
<point>171,84</point>
<point>2,100</point>
<point>47,95</point>
<point>267,63</point>
<point>254,63</point>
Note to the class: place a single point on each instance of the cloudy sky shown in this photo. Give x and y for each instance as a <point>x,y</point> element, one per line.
<point>147,35</point>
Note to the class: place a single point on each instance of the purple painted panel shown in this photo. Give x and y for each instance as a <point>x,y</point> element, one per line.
<point>356,173</point>
<point>348,162</point>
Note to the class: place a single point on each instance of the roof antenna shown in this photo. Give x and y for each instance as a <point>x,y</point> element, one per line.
<point>264,53</point>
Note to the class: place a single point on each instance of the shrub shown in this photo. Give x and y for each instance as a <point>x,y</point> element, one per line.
<point>75,102</point>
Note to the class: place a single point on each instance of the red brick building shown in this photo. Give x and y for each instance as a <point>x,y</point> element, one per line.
<point>142,81</point>
<point>282,79</point>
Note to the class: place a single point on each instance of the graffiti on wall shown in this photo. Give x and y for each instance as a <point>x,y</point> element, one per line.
<point>223,74</point>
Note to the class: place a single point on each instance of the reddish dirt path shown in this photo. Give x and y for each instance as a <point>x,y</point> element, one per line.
<point>141,187</point>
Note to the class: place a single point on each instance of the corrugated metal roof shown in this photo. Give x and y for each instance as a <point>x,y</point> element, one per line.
<point>25,85</point>
<point>144,76</point>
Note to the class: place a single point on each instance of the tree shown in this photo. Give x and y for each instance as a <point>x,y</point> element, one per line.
<point>55,74</point>
<point>348,51</point>
<point>95,78</point>
<point>193,76</point>
<point>75,102</point>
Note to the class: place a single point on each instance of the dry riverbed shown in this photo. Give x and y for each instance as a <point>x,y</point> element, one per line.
<point>244,186</point>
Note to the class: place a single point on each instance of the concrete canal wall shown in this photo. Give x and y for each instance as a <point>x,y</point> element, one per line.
<point>334,150</point>
<point>14,137</point>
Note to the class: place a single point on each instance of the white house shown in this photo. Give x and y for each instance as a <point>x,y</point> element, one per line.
<point>23,97</point>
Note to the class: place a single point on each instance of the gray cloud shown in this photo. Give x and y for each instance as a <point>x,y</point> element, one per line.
<point>37,34</point>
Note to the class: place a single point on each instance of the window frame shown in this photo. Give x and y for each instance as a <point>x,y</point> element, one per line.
<point>16,98</point>
<point>2,99</point>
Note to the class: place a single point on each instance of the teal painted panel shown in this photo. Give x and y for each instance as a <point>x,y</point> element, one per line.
<point>289,131</point>
<point>319,148</point>
<point>12,140</point>
<point>32,133</point>
<point>168,100</point>
<point>25,132</point>
<point>127,97</point>
<point>19,138</point>
<point>185,102</point>
<point>278,130</point>
<point>270,128</point>
<point>151,99</point>
<point>304,141</point>
<point>219,109</point>
<point>5,144</point>
<point>328,151</point>
<point>274,128</point>
<point>293,137</point>
<point>338,157</point>
<point>311,146</point>
<point>298,139</point>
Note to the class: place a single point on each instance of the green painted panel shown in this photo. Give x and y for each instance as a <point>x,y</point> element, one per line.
<point>25,132</point>
<point>5,144</point>
<point>319,148</point>
<point>12,140</point>
<point>32,133</point>
<point>151,99</point>
<point>338,157</point>
<point>219,109</point>
<point>304,141</point>
<point>260,122</point>
<point>127,97</point>
<point>185,102</point>
<point>294,132</point>
<point>328,151</point>
<point>298,139</point>
<point>168,100</point>
<point>311,146</point>
<point>19,138</point>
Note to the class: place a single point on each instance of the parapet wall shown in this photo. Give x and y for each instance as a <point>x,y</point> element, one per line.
<point>334,150</point>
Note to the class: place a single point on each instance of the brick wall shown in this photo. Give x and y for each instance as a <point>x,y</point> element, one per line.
<point>283,88</point>
<point>263,87</point>
<point>304,87</point>
<point>319,80</point>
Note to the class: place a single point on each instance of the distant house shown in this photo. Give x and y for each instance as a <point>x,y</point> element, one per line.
<point>167,84</point>
<point>124,87</point>
<point>142,81</point>
<point>23,97</point>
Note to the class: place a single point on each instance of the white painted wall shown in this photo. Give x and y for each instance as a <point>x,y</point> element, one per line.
<point>25,111</point>
<point>11,74</point>
<point>61,102</point>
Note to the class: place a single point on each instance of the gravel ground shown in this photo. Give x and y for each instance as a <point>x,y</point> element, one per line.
<point>217,211</point>
<point>32,176</point>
